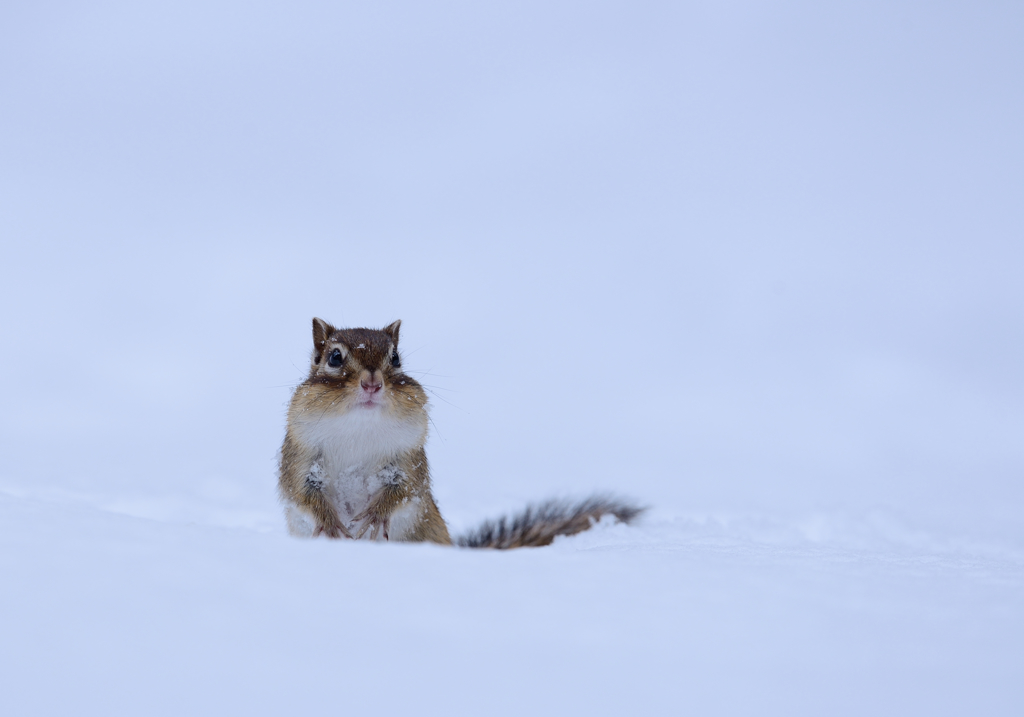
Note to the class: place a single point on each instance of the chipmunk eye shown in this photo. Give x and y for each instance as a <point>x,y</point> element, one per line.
<point>335,359</point>
<point>395,361</point>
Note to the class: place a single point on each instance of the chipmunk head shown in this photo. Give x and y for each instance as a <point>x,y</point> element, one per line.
<point>364,367</point>
<point>357,401</point>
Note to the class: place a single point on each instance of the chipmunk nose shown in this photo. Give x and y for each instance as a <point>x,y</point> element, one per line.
<point>371,383</point>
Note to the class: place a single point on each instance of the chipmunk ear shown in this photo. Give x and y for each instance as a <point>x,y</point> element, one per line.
<point>392,330</point>
<point>321,330</point>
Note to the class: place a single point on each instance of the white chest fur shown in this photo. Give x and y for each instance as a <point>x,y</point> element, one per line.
<point>360,438</point>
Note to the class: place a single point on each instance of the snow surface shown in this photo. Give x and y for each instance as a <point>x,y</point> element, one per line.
<point>755,265</point>
<point>112,614</point>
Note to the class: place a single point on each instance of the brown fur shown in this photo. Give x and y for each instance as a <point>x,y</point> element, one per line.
<point>393,454</point>
<point>329,392</point>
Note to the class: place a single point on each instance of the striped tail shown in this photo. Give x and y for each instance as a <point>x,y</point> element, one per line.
<point>539,524</point>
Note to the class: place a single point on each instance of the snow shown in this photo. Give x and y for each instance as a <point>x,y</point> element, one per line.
<point>724,615</point>
<point>757,267</point>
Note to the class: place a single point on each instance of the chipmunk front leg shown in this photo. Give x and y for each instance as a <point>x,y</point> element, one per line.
<point>312,498</point>
<point>395,492</point>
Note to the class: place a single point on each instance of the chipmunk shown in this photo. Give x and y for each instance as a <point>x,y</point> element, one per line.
<point>353,463</point>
